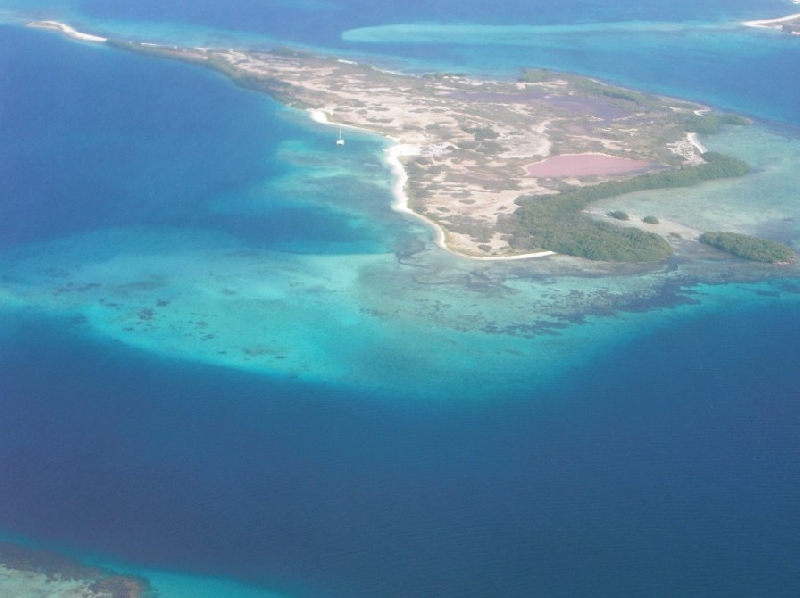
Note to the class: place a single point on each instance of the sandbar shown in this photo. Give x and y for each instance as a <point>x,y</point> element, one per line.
<point>68,31</point>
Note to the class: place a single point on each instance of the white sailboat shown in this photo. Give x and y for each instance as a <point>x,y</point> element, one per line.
<point>340,141</point>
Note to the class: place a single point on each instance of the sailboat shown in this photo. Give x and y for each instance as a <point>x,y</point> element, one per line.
<point>340,141</point>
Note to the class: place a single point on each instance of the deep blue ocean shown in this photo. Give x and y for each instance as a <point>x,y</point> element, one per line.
<point>666,464</point>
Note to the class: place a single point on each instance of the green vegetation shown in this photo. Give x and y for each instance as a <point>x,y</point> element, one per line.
<point>705,123</point>
<point>598,89</point>
<point>717,166</point>
<point>650,219</point>
<point>709,123</point>
<point>490,148</point>
<point>590,87</point>
<point>748,247</point>
<point>279,90</point>
<point>551,226</point>
<point>291,52</point>
<point>619,215</point>
<point>482,133</point>
<point>536,75</point>
<point>555,222</point>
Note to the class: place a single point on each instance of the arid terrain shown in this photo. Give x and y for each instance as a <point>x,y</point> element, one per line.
<point>472,147</point>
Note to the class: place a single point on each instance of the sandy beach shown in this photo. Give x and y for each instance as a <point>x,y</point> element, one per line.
<point>400,179</point>
<point>694,139</point>
<point>400,204</point>
<point>68,31</point>
<point>392,157</point>
<point>772,23</point>
<point>465,149</point>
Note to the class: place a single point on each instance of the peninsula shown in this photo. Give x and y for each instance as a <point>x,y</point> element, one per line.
<point>787,24</point>
<point>68,31</point>
<point>503,169</point>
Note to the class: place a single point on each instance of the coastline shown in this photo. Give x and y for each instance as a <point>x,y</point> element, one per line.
<point>772,23</point>
<point>400,200</point>
<point>465,144</point>
<point>68,31</point>
<point>392,156</point>
<point>400,204</point>
<point>694,139</point>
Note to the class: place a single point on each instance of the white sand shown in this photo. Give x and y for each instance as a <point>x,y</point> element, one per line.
<point>68,31</point>
<point>502,258</point>
<point>772,23</point>
<point>399,181</point>
<point>690,149</point>
<point>320,117</point>
<point>400,202</point>
<point>695,141</point>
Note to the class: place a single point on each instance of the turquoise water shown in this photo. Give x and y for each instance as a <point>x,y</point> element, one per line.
<point>228,365</point>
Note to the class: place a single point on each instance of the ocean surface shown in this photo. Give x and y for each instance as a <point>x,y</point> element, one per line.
<point>228,365</point>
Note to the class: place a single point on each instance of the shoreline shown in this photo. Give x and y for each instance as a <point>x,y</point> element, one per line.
<point>391,158</point>
<point>771,23</point>
<point>68,31</point>
<point>694,139</point>
<point>392,155</point>
<point>476,165</point>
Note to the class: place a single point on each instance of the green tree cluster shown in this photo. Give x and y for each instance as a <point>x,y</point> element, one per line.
<point>709,123</point>
<point>717,166</point>
<point>550,226</point>
<point>748,247</point>
<point>555,222</point>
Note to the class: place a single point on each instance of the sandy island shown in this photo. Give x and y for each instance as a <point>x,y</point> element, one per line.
<point>68,31</point>
<point>466,150</point>
<point>393,156</point>
<point>790,24</point>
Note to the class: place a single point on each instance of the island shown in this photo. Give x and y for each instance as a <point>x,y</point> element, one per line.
<point>788,24</point>
<point>748,247</point>
<point>503,169</point>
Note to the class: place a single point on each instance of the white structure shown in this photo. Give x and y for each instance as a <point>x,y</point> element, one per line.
<point>340,141</point>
